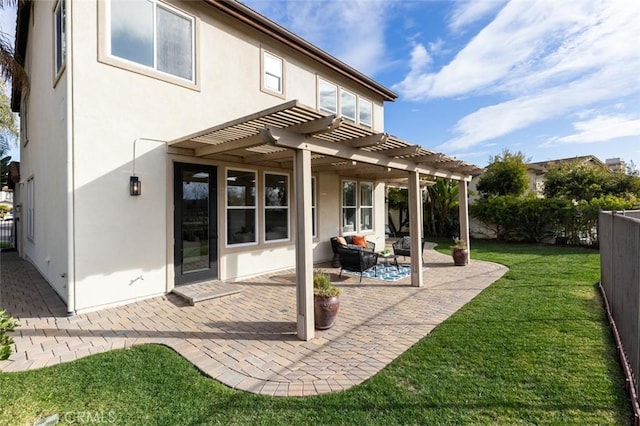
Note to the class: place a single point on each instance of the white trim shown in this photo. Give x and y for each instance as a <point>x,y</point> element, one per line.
<point>322,81</point>
<point>58,68</point>
<point>227,208</point>
<point>264,55</point>
<point>314,207</point>
<point>349,94</point>
<point>365,101</point>
<point>138,67</point>
<point>265,207</point>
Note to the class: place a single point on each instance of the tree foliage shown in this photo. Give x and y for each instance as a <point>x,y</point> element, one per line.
<point>579,180</point>
<point>441,208</point>
<point>10,68</point>
<point>505,175</point>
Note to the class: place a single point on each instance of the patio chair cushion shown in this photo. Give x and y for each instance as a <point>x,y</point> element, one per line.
<point>341,241</point>
<point>359,240</point>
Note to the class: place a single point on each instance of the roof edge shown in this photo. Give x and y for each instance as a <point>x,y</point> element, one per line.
<point>266,26</point>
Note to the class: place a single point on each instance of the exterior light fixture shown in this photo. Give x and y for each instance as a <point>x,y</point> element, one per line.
<point>135,186</point>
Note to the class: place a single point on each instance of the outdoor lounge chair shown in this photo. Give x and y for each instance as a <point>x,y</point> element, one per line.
<point>402,247</point>
<point>356,259</point>
<point>349,240</point>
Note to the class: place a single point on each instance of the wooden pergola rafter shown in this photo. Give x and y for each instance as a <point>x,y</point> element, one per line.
<point>296,136</point>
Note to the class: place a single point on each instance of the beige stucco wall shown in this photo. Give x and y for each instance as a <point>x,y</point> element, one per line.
<point>44,157</point>
<point>124,244</point>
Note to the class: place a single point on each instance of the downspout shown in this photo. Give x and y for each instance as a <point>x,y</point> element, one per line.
<point>71,240</point>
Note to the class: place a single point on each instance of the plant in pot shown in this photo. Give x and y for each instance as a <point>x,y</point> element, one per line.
<point>325,301</point>
<point>460,252</point>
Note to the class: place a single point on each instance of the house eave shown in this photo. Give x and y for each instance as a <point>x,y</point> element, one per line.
<point>266,26</point>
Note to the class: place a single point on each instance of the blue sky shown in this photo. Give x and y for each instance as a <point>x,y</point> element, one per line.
<point>552,79</point>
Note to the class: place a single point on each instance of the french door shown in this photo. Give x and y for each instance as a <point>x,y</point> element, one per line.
<point>195,223</point>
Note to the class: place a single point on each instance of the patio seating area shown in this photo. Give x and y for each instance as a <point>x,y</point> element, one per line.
<point>248,340</point>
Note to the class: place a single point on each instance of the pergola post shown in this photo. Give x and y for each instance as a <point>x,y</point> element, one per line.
<point>304,250</point>
<point>463,197</point>
<point>415,229</point>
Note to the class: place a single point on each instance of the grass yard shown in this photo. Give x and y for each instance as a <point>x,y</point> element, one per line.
<point>534,348</point>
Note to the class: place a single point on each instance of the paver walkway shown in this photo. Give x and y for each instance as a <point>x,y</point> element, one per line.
<point>248,340</point>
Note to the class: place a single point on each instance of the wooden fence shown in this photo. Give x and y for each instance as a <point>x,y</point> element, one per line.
<point>620,283</point>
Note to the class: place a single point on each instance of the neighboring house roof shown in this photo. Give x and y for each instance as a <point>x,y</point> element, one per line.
<point>543,165</point>
<point>243,14</point>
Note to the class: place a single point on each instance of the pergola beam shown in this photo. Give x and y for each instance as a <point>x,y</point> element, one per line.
<point>402,151</point>
<point>368,141</point>
<point>244,143</point>
<point>286,154</point>
<point>286,139</point>
<point>317,126</point>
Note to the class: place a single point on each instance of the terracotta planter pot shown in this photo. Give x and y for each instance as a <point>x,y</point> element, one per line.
<point>325,310</point>
<point>460,257</point>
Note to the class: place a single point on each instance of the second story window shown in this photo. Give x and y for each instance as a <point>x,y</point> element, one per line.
<point>348,105</point>
<point>60,38</point>
<point>365,112</point>
<point>327,96</point>
<point>154,35</point>
<point>272,73</point>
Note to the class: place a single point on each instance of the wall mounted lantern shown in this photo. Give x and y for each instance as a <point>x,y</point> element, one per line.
<point>135,186</point>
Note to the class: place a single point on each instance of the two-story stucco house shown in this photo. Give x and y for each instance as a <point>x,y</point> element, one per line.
<point>171,142</point>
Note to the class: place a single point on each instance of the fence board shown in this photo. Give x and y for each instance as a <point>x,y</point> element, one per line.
<point>620,278</point>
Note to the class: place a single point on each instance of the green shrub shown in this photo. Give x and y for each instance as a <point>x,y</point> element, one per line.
<point>7,324</point>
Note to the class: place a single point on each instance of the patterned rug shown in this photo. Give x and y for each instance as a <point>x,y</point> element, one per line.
<point>384,272</point>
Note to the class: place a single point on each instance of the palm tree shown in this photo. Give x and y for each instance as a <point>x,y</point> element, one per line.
<point>10,67</point>
<point>442,201</point>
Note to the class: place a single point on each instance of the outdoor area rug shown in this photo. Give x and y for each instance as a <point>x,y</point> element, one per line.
<point>384,272</point>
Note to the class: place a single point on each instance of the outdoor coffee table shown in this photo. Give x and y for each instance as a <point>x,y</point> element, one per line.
<point>388,259</point>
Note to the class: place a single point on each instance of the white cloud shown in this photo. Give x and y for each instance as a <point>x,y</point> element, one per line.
<point>602,128</point>
<point>469,11</point>
<point>353,30</point>
<point>543,59</point>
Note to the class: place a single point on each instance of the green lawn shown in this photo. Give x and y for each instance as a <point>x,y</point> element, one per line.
<point>534,348</point>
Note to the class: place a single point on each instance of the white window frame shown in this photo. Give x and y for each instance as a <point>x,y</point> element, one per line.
<point>314,210</point>
<point>153,70</point>
<point>362,207</point>
<point>24,121</point>
<point>59,33</point>
<point>227,208</point>
<point>340,93</point>
<point>31,203</point>
<point>264,73</point>
<point>322,81</point>
<point>357,226</point>
<point>266,208</point>
<point>362,101</point>
<point>346,93</point>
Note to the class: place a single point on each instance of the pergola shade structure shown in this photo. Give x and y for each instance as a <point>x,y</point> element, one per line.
<point>301,138</point>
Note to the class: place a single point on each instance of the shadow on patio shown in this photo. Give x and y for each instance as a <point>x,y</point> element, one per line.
<point>248,340</point>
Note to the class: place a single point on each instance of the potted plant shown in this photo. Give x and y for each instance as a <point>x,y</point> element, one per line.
<point>325,301</point>
<point>460,252</point>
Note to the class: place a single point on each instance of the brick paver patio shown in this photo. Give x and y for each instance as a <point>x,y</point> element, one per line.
<point>248,340</point>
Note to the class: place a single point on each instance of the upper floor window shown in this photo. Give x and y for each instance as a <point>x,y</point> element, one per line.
<point>336,100</point>
<point>327,96</point>
<point>365,112</point>
<point>348,105</point>
<point>154,35</point>
<point>272,73</point>
<point>59,38</point>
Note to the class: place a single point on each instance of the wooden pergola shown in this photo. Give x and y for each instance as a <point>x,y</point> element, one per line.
<point>292,135</point>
